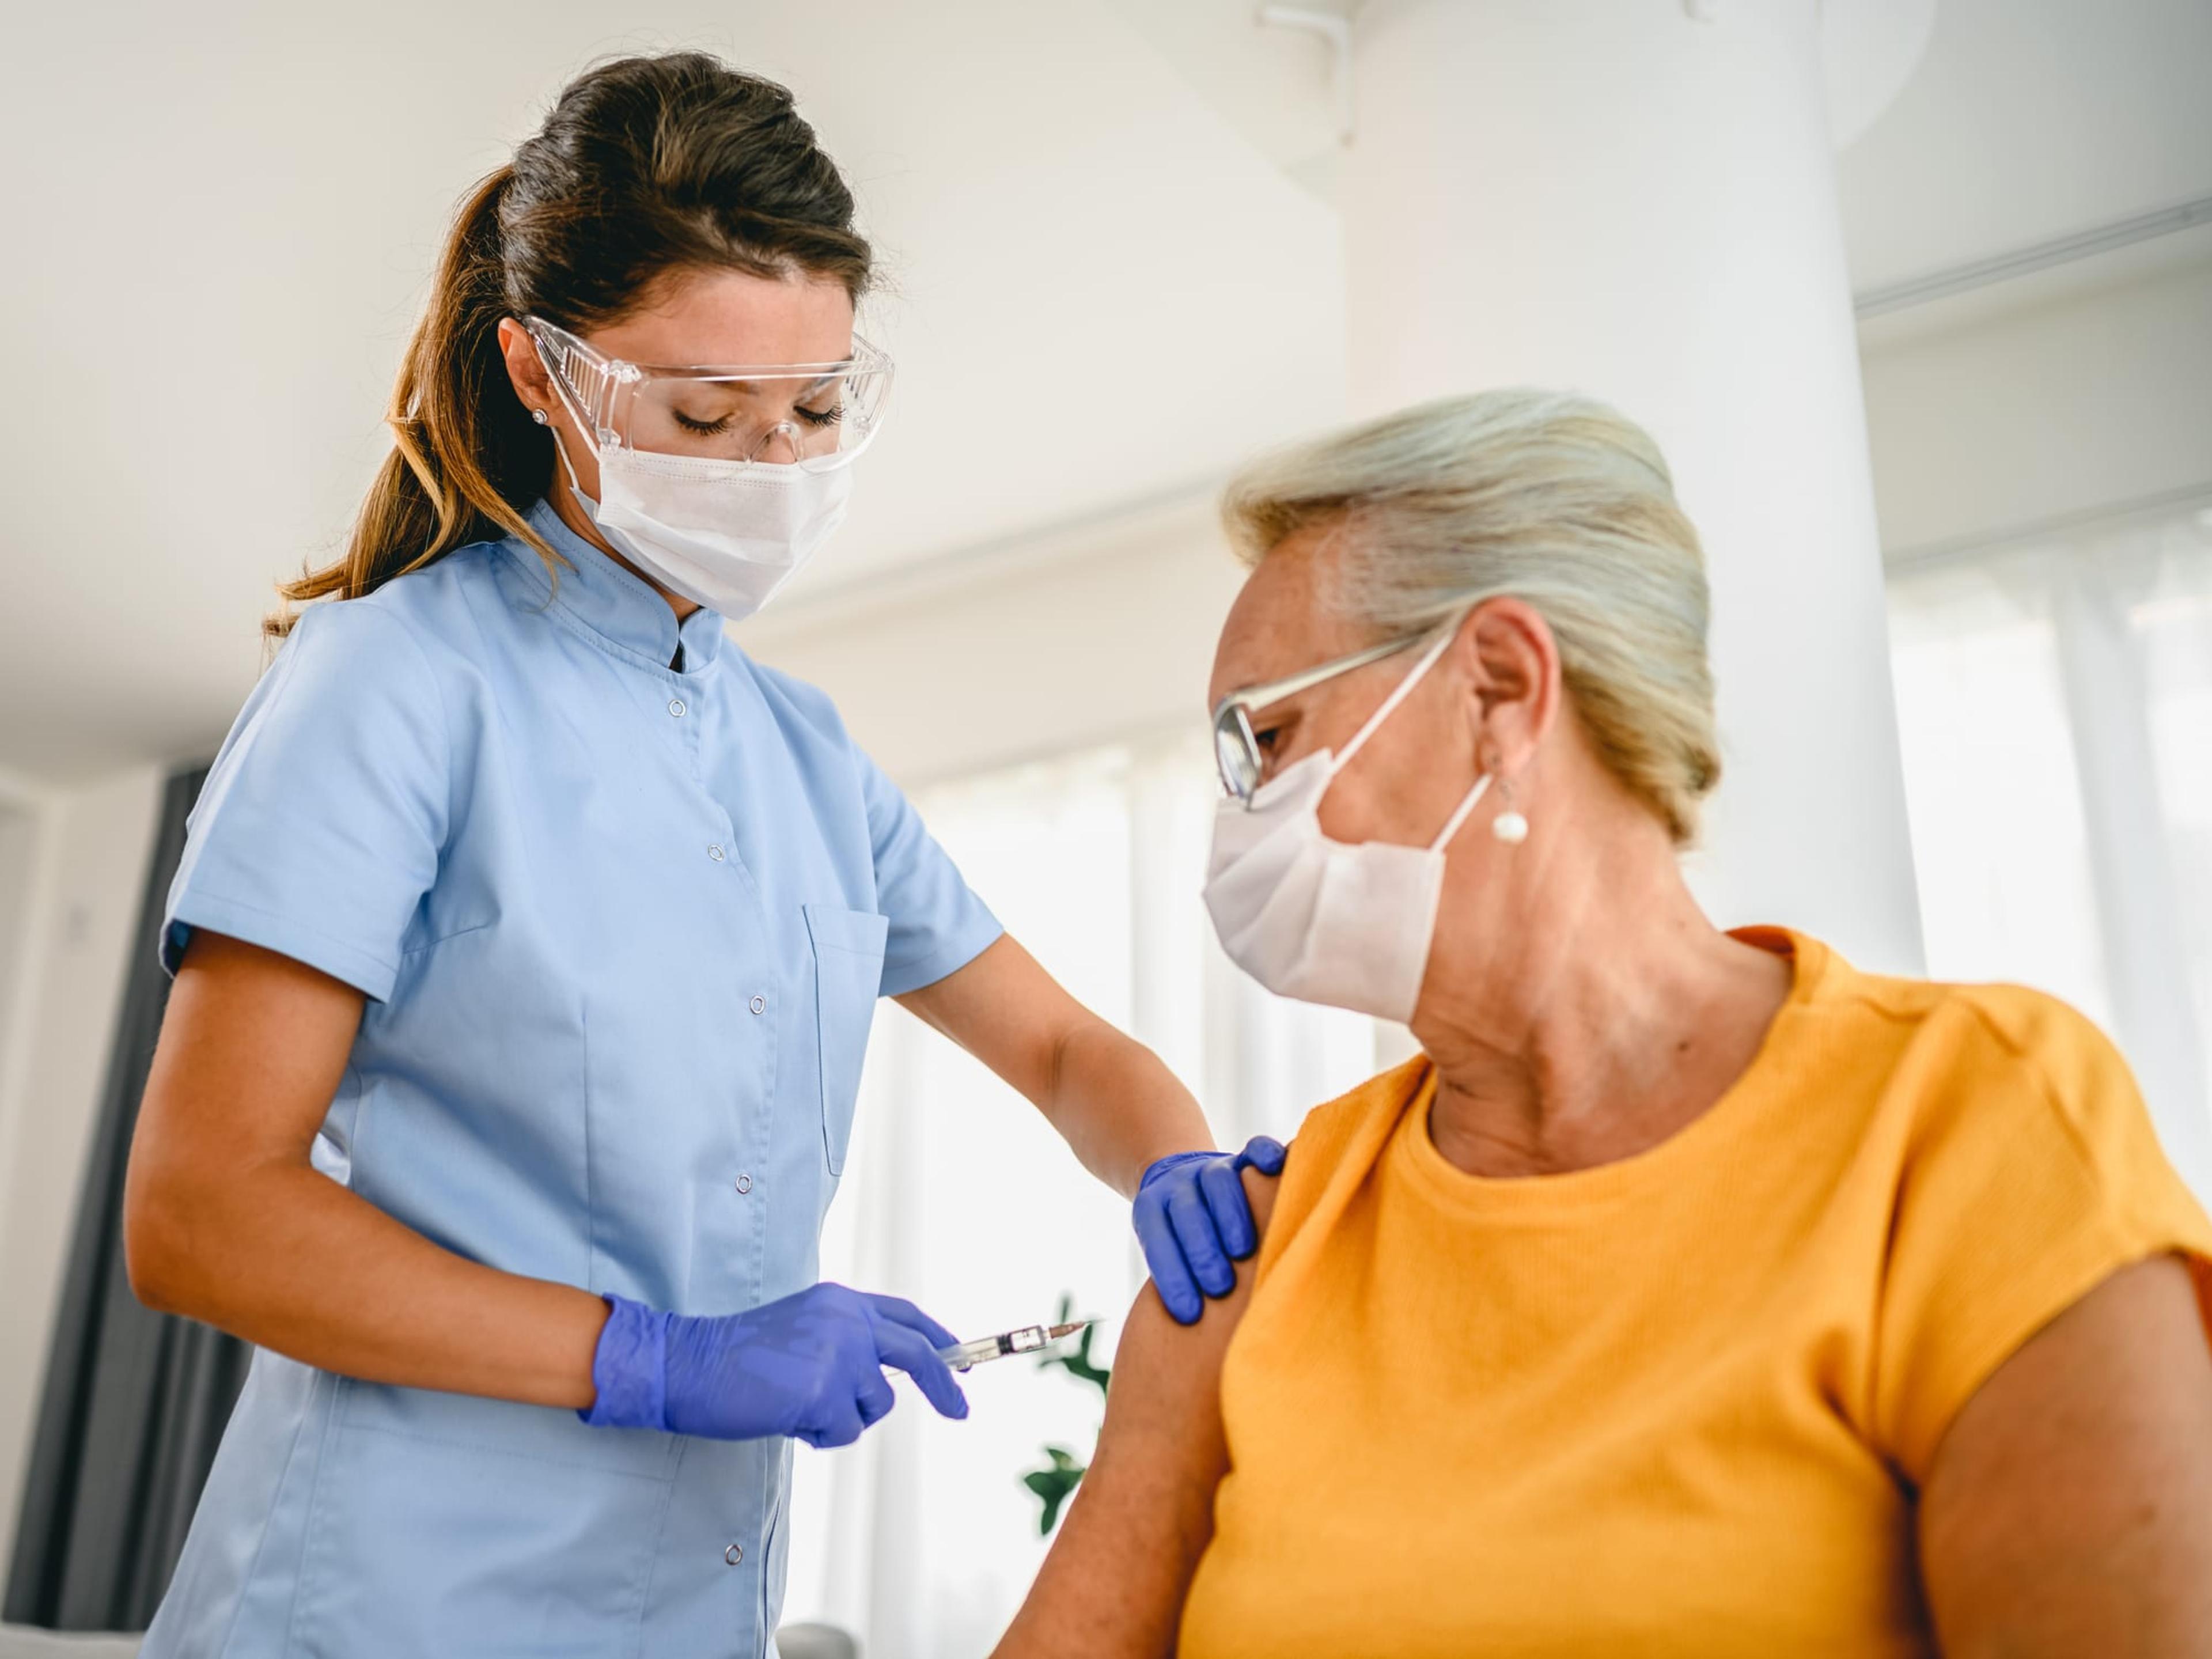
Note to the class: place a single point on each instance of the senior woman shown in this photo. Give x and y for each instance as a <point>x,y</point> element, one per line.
<point>1693,1292</point>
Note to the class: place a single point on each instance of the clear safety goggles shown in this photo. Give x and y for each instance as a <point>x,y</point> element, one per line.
<point>818,415</point>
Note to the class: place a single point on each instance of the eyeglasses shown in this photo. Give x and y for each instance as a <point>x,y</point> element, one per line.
<point>1236,750</point>
<point>818,415</point>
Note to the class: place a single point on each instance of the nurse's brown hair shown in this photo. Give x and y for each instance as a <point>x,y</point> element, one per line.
<point>646,167</point>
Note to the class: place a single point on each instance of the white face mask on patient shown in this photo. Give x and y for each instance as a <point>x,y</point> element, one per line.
<point>1329,922</point>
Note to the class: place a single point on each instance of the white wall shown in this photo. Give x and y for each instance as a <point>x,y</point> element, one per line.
<point>2066,406</point>
<point>87,878</point>
<point>1078,637</point>
<point>22,817</point>
<point>2031,406</point>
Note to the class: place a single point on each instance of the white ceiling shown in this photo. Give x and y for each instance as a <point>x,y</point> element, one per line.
<point>2028,120</point>
<point>1110,274</point>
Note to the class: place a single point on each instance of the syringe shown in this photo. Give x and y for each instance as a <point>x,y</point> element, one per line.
<point>1028,1339</point>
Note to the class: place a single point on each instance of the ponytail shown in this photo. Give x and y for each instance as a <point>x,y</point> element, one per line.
<point>467,460</point>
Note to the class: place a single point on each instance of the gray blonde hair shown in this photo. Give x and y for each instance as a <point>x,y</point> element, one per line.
<point>1557,500</point>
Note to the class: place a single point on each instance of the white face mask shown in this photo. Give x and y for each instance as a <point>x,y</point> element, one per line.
<point>1325,920</point>
<point>724,534</point>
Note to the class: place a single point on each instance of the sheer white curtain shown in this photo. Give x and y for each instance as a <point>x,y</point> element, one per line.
<point>922,1539</point>
<point>2055,703</point>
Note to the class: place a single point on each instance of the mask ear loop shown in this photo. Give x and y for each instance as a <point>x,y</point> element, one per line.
<point>1452,828</point>
<point>576,414</point>
<point>1398,695</point>
<point>569,466</point>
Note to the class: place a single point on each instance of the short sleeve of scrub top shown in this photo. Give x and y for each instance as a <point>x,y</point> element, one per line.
<point>319,829</point>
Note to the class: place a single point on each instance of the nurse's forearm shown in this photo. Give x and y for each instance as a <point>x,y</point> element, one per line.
<point>289,1260</point>
<point>1119,1107</point>
<point>1114,1100</point>
<point>225,1219</point>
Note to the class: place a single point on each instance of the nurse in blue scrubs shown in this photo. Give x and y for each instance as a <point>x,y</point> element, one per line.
<point>526,944</point>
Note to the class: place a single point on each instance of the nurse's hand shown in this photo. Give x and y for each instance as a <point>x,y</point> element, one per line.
<point>810,1366</point>
<point>1193,1221</point>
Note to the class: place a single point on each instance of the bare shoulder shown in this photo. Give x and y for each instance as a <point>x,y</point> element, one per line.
<point>1164,1369</point>
<point>2067,1499</point>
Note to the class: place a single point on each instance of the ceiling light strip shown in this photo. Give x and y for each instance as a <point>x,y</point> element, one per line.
<point>2020,262</point>
<point>2057,527</point>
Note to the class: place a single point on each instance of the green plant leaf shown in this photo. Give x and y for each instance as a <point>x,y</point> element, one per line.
<point>1079,1363</point>
<point>1055,1482</point>
<point>1053,1486</point>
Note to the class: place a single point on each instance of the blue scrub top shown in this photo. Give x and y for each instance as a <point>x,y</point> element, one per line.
<point>622,928</point>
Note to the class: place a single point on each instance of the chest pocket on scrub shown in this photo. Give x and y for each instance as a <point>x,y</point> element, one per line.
<point>848,975</point>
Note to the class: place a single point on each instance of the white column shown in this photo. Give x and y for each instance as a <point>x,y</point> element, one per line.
<point>1621,198</point>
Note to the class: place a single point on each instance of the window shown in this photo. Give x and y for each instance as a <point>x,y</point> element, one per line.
<point>2055,707</point>
<point>922,1539</point>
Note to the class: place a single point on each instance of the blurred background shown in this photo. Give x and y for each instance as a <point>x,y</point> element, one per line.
<point>1916,293</point>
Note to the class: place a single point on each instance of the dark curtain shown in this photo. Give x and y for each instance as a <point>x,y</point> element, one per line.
<point>135,1401</point>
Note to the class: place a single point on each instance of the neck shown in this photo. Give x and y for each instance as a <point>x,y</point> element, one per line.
<point>563,499</point>
<point>1579,1006</point>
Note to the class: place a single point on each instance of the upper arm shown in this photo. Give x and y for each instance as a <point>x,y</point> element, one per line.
<point>1113,1586</point>
<point>253,1046</point>
<point>2040,1370</point>
<point>2070,1507</point>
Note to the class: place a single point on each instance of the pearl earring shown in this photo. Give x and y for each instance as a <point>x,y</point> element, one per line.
<point>1508,826</point>
<point>539,416</point>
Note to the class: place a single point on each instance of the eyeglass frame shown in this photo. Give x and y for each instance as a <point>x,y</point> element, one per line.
<point>1232,714</point>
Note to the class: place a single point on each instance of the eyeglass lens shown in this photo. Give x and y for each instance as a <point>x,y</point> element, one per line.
<point>1235,753</point>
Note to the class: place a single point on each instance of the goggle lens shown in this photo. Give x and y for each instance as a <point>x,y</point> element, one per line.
<point>778,419</point>
<point>815,416</point>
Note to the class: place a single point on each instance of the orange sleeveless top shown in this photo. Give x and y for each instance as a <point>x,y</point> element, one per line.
<point>1676,1404</point>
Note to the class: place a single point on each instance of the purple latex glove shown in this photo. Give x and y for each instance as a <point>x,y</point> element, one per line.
<point>810,1366</point>
<point>1193,1222</point>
